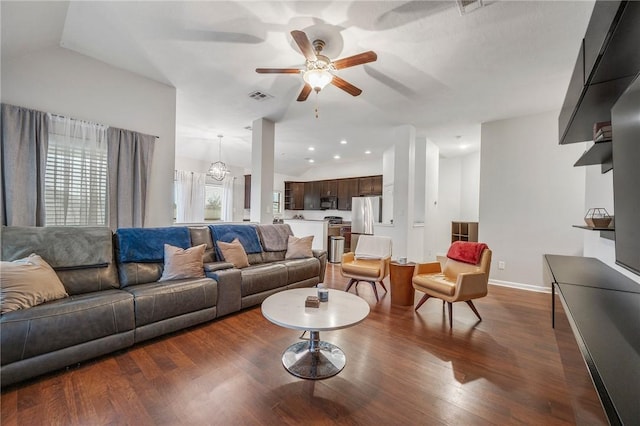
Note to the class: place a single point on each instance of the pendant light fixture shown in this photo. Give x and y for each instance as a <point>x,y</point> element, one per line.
<point>218,170</point>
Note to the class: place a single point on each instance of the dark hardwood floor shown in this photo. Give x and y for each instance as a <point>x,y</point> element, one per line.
<point>402,368</point>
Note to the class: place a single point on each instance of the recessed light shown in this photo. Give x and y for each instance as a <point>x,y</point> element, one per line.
<point>343,142</point>
<point>367,152</point>
<point>337,157</point>
<point>464,146</point>
<point>311,160</point>
<point>311,148</point>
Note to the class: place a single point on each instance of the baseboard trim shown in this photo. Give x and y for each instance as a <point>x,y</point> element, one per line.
<point>521,286</point>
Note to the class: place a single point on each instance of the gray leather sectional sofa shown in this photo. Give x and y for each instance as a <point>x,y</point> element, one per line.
<point>115,299</point>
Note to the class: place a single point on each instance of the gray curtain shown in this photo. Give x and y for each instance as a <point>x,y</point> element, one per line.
<point>130,156</point>
<point>23,143</point>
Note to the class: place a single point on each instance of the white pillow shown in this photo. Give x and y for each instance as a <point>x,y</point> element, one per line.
<point>28,282</point>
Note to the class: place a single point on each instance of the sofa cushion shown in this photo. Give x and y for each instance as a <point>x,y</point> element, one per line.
<point>302,269</point>
<point>81,256</point>
<point>74,246</point>
<point>202,235</point>
<point>158,301</point>
<point>247,235</point>
<point>259,278</point>
<point>28,282</point>
<point>436,282</point>
<point>299,248</point>
<point>274,237</point>
<point>363,267</point>
<point>139,273</point>
<point>233,253</point>
<point>64,323</point>
<point>182,263</point>
<point>147,244</point>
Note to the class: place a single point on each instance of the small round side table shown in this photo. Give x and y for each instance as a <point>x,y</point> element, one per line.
<point>400,275</point>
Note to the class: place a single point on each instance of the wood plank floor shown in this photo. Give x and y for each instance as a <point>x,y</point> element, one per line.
<point>402,368</point>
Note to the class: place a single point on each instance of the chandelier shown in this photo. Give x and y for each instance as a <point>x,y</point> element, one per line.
<point>218,170</point>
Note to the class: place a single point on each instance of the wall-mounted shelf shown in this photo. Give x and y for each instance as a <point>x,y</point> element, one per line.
<point>599,153</point>
<point>608,233</point>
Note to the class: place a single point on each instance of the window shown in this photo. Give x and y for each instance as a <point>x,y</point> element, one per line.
<point>213,202</point>
<point>76,173</point>
<point>277,205</point>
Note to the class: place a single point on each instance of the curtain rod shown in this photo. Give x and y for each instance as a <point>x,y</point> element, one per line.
<point>96,124</point>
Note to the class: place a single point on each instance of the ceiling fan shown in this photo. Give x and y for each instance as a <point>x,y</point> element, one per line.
<point>319,70</point>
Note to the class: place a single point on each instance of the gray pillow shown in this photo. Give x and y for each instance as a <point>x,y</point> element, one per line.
<point>182,263</point>
<point>28,282</point>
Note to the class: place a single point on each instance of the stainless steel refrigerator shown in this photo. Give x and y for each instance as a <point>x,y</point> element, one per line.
<point>365,212</point>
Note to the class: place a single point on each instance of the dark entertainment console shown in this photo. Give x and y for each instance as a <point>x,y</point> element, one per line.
<point>603,309</point>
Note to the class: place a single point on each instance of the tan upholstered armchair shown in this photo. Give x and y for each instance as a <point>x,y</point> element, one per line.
<point>453,280</point>
<point>370,262</point>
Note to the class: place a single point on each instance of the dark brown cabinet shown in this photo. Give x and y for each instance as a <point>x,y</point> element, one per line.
<point>347,188</point>
<point>312,195</point>
<point>294,195</point>
<point>247,191</point>
<point>370,185</point>
<point>328,188</point>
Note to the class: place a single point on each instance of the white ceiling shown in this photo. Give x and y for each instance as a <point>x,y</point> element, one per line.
<point>437,70</point>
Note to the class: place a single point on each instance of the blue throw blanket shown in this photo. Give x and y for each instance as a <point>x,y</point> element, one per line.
<point>247,235</point>
<point>147,244</point>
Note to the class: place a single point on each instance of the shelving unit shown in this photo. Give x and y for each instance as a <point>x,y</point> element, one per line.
<point>608,233</point>
<point>599,153</point>
<point>464,231</point>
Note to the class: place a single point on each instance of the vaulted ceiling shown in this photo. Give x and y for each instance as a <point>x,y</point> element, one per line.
<point>438,70</point>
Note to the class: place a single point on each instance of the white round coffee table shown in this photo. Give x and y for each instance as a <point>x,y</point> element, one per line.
<point>314,359</point>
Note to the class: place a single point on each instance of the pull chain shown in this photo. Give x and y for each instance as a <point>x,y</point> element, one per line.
<point>317,91</point>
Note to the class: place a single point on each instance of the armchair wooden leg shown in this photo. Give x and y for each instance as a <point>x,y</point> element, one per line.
<point>383,286</point>
<point>375,289</point>
<point>450,306</point>
<point>424,299</point>
<point>352,281</point>
<point>473,308</point>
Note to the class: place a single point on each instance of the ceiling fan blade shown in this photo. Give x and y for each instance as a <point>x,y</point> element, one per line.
<point>304,93</point>
<point>277,70</point>
<point>346,86</point>
<point>358,59</point>
<point>304,44</point>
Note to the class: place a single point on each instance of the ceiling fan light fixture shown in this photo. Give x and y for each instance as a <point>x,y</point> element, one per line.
<point>317,78</point>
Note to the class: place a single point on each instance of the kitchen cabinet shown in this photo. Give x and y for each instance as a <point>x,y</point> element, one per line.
<point>312,195</point>
<point>294,195</point>
<point>247,191</point>
<point>329,188</point>
<point>347,188</point>
<point>370,185</point>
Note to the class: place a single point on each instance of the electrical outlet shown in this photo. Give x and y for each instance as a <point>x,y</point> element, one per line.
<point>501,265</point>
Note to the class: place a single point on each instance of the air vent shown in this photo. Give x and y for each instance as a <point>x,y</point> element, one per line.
<point>260,96</point>
<point>466,6</point>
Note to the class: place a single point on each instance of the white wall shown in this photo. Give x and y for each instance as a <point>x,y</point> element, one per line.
<point>530,196</point>
<point>340,169</point>
<point>470,187</point>
<point>64,82</point>
<point>449,202</point>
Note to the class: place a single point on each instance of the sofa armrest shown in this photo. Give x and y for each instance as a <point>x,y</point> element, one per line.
<point>321,255</point>
<point>427,268</point>
<point>229,290</point>
<point>471,285</point>
<point>217,266</point>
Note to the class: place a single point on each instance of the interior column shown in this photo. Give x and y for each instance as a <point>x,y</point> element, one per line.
<point>262,159</point>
